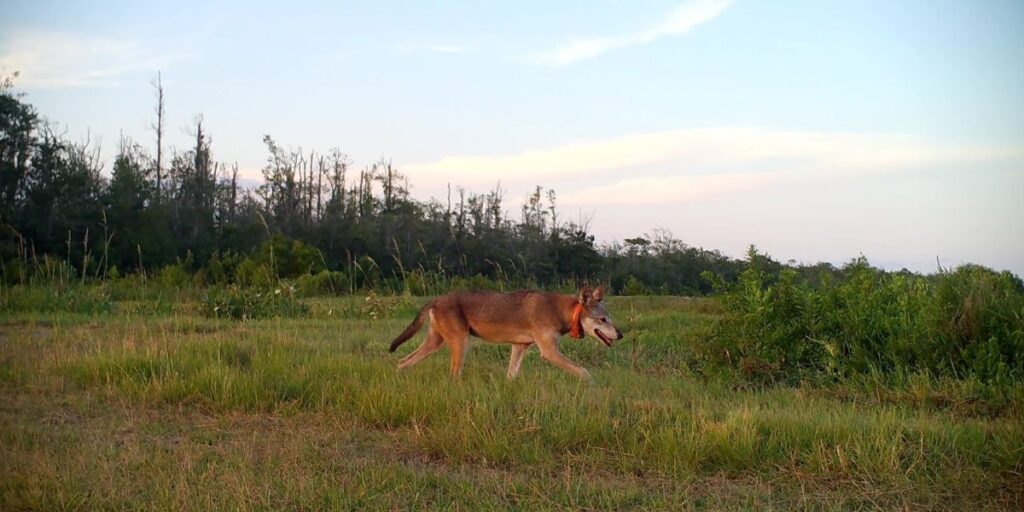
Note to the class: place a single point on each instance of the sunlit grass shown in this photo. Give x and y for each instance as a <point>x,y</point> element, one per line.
<point>174,411</point>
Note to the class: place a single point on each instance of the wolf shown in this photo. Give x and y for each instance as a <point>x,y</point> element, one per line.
<point>522,319</point>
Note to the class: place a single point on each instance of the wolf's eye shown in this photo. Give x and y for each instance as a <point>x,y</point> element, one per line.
<point>602,320</point>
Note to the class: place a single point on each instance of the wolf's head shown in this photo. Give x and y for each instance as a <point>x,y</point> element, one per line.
<point>595,318</point>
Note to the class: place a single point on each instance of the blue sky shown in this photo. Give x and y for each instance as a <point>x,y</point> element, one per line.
<point>816,130</point>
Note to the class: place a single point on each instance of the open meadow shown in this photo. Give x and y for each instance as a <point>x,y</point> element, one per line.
<point>219,220</point>
<point>150,404</point>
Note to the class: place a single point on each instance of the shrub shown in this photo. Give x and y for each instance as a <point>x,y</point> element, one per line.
<point>89,300</point>
<point>976,317</point>
<point>764,327</point>
<point>376,307</point>
<point>14,272</point>
<point>127,287</point>
<point>366,273</point>
<point>43,271</point>
<point>177,274</point>
<point>325,282</point>
<point>965,323</point>
<point>633,286</point>
<point>222,268</point>
<point>289,258</point>
<point>247,304</point>
<point>419,282</point>
<point>476,283</point>
<point>173,276</point>
<point>251,274</point>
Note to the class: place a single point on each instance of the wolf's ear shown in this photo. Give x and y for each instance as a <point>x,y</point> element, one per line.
<point>585,295</point>
<point>598,294</point>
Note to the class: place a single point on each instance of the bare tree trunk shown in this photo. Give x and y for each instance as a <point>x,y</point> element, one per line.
<point>234,191</point>
<point>319,187</point>
<point>310,213</point>
<point>159,128</point>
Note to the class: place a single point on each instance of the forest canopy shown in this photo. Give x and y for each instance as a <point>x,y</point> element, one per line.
<point>313,210</point>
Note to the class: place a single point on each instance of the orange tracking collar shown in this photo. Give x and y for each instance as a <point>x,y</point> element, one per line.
<point>576,327</point>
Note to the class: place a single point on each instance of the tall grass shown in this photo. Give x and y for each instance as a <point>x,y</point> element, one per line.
<point>275,400</point>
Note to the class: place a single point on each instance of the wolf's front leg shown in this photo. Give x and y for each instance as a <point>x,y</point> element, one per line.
<point>549,351</point>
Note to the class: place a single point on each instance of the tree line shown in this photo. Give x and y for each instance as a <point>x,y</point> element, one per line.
<point>314,211</point>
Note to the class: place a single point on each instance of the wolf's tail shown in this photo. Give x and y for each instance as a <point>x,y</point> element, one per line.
<point>415,326</point>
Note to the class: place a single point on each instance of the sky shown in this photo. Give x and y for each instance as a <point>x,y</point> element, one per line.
<point>817,131</point>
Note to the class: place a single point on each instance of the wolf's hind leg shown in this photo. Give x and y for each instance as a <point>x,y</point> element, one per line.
<point>518,351</point>
<point>429,346</point>
<point>458,346</point>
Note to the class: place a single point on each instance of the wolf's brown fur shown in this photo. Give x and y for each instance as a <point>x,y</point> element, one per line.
<point>522,319</point>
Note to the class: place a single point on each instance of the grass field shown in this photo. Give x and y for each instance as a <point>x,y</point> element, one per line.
<point>161,408</point>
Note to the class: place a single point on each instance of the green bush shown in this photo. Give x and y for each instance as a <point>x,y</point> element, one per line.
<point>964,323</point>
<point>976,316</point>
<point>176,275</point>
<point>221,269</point>
<point>420,282</point>
<point>474,284</point>
<point>763,326</point>
<point>88,300</point>
<point>325,282</point>
<point>289,258</point>
<point>127,287</point>
<point>43,271</point>
<point>251,274</point>
<point>366,273</point>
<point>14,272</point>
<point>248,304</point>
<point>633,286</point>
<point>376,307</point>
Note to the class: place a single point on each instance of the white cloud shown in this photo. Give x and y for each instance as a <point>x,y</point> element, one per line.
<point>59,60</point>
<point>680,165</point>
<point>665,189</point>
<point>438,48</point>
<point>681,20</point>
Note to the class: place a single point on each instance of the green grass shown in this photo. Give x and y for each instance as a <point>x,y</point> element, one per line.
<point>161,408</point>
